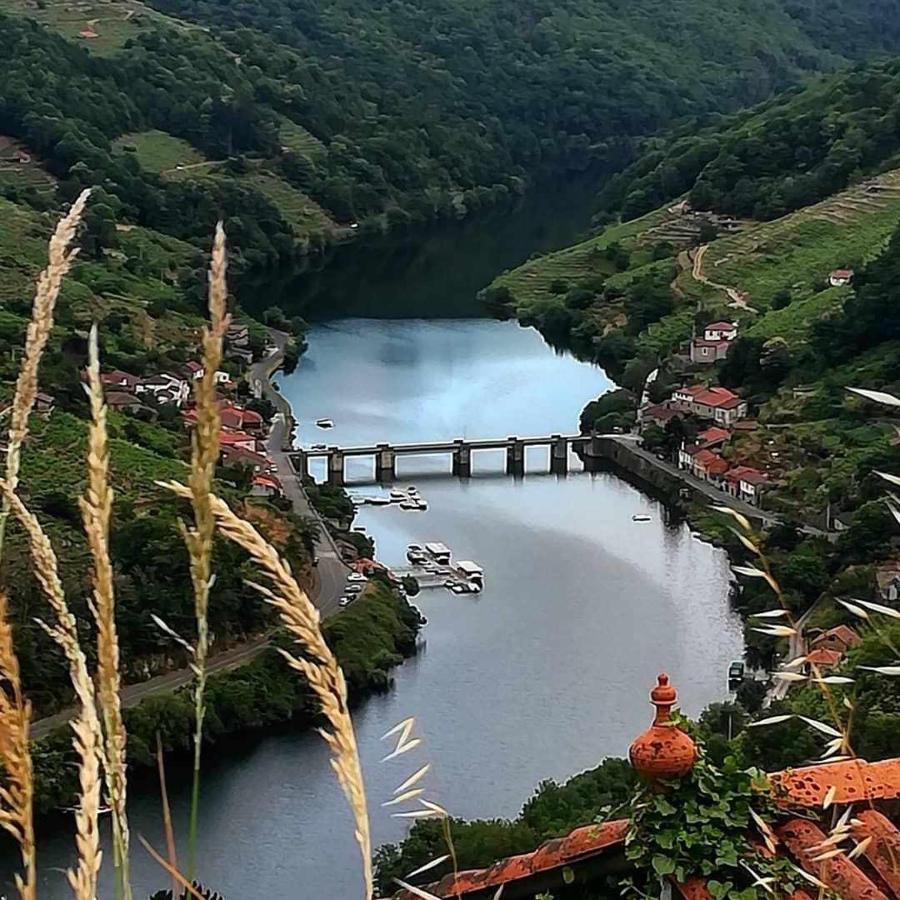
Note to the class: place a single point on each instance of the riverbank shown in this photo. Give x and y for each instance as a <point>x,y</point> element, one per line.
<point>374,635</point>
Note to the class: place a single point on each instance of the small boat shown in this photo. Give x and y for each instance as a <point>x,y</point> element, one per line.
<point>324,423</point>
<point>359,501</point>
<point>421,504</point>
<point>397,495</point>
<point>409,504</point>
<point>637,518</point>
<point>459,589</point>
<point>414,547</point>
<point>378,501</point>
<point>412,489</point>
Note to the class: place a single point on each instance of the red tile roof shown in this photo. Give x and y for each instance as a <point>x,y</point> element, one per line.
<point>824,658</point>
<point>268,481</point>
<point>843,634</point>
<point>839,873</point>
<point>843,273</point>
<point>748,474</point>
<point>231,438</point>
<point>712,462</point>
<point>713,435</point>
<point>854,780</point>
<point>721,326</point>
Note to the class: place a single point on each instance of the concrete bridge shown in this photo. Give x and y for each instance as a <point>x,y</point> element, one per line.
<point>459,451</point>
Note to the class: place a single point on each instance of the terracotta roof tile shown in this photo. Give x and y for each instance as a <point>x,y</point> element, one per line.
<point>838,872</point>
<point>582,843</point>
<point>853,779</point>
<point>884,850</point>
<point>824,657</point>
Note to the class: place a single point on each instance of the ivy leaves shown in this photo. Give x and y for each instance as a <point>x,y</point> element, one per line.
<point>700,825</point>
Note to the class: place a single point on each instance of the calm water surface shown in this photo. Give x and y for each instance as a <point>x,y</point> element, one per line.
<point>540,676</point>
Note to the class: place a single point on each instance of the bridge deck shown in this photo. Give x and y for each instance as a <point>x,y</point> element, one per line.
<point>444,446</point>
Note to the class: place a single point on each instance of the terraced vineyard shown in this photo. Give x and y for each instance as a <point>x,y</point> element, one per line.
<point>160,152</point>
<point>21,170</point>
<point>298,140</point>
<point>797,252</point>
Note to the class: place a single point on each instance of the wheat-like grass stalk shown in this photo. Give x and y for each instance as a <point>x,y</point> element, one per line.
<point>87,739</point>
<point>318,665</point>
<point>17,786</point>
<point>96,509</point>
<point>199,538</point>
<point>39,328</point>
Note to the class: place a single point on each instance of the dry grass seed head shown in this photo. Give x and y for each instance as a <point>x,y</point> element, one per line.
<point>318,665</point>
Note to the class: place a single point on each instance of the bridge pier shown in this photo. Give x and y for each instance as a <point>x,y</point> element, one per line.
<point>515,457</point>
<point>336,466</point>
<point>559,455</point>
<point>385,463</point>
<point>591,453</point>
<point>462,459</point>
<point>299,463</point>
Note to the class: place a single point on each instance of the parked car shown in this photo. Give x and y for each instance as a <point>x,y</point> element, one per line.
<point>356,576</point>
<point>345,601</point>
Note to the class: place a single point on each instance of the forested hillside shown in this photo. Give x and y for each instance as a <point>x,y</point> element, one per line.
<point>791,152</point>
<point>304,121</point>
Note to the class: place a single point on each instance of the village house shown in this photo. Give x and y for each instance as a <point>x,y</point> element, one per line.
<point>746,483</point>
<point>123,381</point>
<point>582,862</point>
<point>195,372</point>
<point>708,466</point>
<point>44,404</point>
<point>822,658</point>
<point>841,638</point>
<point>233,418</point>
<point>243,355</point>
<point>715,343</point>
<point>659,414</point>
<point>264,485</point>
<point>238,335</point>
<point>122,401</point>
<point>840,277</point>
<point>233,457</point>
<point>238,439</point>
<point>721,405</point>
<point>165,388</point>
<point>887,577</point>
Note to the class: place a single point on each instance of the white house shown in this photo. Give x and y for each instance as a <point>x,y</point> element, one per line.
<point>165,388</point>
<point>720,331</point>
<point>840,277</point>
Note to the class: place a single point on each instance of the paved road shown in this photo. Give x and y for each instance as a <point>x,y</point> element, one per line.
<point>719,498</point>
<point>133,694</point>
<point>331,572</point>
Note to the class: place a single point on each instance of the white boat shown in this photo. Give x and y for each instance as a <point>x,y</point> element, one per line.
<point>471,571</point>
<point>414,547</point>
<point>637,518</point>
<point>409,504</point>
<point>439,552</point>
<point>324,423</point>
<point>421,504</point>
<point>412,489</point>
<point>378,501</point>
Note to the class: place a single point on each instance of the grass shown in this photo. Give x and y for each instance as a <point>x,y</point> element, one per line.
<point>158,151</point>
<point>530,282</point>
<point>22,175</point>
<point>298,140</point>
<point>113,21</point>
<point>296,207</point>
<point>798,251</point>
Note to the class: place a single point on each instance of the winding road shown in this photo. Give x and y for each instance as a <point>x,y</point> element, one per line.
<point>331,572</point>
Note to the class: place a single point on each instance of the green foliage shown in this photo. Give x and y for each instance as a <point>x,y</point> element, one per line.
<point>786,154</point>
<point>700,826</point>
<point>553,811</point>
<point>369,638</point>
<point>619,404</point>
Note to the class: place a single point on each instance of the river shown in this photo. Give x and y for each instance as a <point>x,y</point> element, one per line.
<point>540,676</point>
